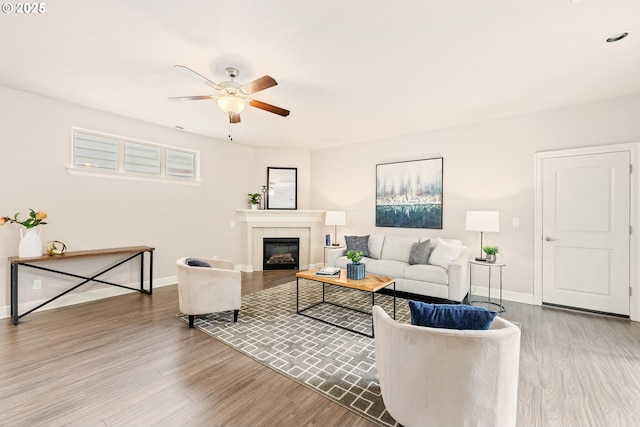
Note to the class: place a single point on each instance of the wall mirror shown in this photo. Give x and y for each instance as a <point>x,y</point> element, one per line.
<point>282,192</point>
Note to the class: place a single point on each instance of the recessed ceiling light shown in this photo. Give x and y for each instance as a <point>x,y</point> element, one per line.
<point>617,37</point>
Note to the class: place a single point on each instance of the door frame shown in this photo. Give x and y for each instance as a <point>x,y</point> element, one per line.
<point>634,216</point>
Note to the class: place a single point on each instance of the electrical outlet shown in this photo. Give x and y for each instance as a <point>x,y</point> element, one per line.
<point>37,284</point>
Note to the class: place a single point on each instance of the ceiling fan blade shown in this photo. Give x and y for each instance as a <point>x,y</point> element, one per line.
<point>257,85</point>
<point>234,118</point>
<point>192,98</point>
<point>268,107</point>
<point>188,71</point>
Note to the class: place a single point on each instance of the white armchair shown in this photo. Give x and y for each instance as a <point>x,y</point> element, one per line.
<point>203,290</point>
<point>446,377</point>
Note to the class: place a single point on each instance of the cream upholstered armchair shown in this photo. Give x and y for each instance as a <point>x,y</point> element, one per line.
<point>203,290</point>
<point>447,377</point>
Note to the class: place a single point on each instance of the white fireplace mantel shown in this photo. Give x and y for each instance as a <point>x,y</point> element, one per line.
<point>307,225</point>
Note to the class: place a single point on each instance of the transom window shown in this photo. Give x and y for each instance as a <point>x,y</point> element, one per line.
<point>98,152</point>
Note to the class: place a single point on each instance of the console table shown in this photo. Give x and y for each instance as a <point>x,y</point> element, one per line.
<point>129,252</point>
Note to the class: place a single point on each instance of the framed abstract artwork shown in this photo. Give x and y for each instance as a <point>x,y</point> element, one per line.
<point>409,194</point>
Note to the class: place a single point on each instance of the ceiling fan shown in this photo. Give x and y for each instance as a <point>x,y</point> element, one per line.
<point>233,97</point>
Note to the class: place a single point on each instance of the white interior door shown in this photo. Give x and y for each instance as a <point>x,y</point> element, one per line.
<point>585,226</point>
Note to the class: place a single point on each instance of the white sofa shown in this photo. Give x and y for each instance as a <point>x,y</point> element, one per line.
<point>390,257</point>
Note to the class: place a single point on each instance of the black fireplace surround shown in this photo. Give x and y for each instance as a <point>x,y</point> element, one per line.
<point>281,253</point>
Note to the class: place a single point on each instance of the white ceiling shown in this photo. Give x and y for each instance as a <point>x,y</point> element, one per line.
<point>349,70</point>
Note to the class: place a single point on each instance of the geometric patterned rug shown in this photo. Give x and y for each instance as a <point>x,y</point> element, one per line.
<point>336,363</point>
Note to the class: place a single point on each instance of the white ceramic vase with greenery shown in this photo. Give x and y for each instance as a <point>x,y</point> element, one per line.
<point>30,241</point>
<point>254,200</point>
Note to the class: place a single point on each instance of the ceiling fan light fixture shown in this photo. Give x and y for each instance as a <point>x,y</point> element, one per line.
<point>231,104</point>
<point>231,96</point>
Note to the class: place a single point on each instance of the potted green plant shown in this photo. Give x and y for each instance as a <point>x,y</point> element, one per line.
<point>491,252</point>
<point>254,200</point>
<point>355,270</point>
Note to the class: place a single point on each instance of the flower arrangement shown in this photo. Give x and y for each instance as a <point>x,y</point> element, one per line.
<point>35,219</point>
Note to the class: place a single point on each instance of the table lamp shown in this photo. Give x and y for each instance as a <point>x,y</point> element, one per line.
<point>335,218</point>
<point>482,221</point>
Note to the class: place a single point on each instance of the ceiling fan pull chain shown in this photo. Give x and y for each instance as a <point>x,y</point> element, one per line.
<point>230,133</point>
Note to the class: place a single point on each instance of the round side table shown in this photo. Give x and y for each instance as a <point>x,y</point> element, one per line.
<point>324,261</point>
<point>489,266</point>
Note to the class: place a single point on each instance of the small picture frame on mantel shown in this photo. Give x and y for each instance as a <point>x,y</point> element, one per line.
<point>282,188</point>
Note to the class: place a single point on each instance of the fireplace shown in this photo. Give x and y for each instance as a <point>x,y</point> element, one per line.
<point>256,225</point>
<point>281,253</point>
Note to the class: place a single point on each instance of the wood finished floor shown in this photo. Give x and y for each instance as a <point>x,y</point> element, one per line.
<point>126,361</point>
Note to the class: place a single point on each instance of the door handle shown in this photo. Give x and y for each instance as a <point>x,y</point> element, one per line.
<point>550,239</point>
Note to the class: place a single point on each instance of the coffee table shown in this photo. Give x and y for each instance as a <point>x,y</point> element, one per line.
<point>372,283</point>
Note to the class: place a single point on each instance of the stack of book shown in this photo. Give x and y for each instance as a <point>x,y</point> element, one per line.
<point>328,272</point>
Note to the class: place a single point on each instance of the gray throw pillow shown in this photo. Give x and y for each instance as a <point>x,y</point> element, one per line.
<point>195,262</point>
<point>420,252</point>
<point>358,243</point>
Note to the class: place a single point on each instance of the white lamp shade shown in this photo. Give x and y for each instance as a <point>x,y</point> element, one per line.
<point>335,218</point>
<point>487,221</point>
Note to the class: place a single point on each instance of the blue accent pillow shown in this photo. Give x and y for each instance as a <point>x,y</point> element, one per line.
<point>358,243</point>
<point>195,262</point>
<point>451,316</point>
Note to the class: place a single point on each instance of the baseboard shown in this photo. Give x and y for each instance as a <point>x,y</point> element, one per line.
<point>506,295</point>
<point>82,297</point>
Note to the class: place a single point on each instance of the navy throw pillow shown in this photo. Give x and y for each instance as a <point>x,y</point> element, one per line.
<point>195,262</point>
<point>451,316</point>
<point>358,243</point>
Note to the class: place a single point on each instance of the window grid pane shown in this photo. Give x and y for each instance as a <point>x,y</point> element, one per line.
<point>180,164</point>
<point>141,158</point>
<point>91,151</point>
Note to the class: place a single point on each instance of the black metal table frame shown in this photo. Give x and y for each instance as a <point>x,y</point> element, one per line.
<point>500,305</point>
<point>15,316</point>
<point>373,302</point>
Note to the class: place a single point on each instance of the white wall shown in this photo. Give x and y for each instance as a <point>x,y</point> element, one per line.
<point>95,212</point>
<point>487,165</point>
<point>281,158</point>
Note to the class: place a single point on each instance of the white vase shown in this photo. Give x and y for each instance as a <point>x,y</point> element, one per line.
<point>30,243</point>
